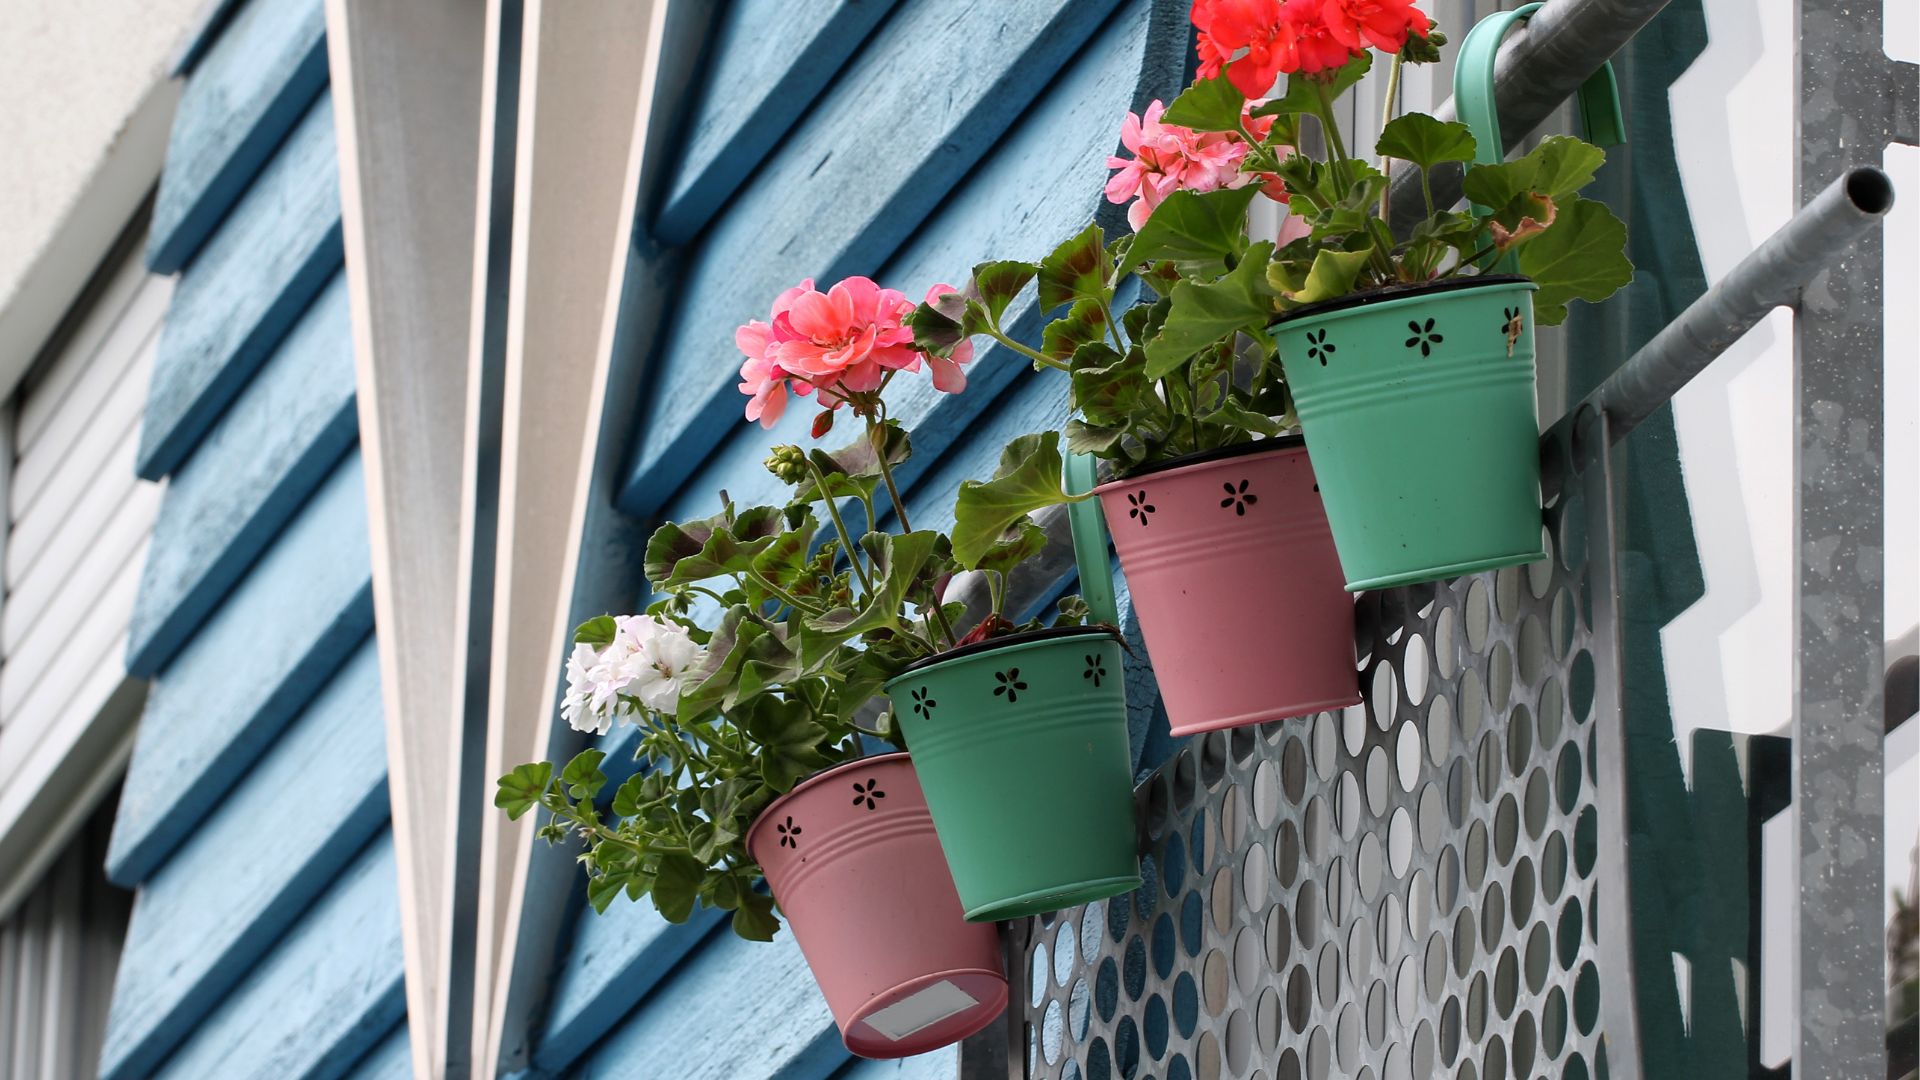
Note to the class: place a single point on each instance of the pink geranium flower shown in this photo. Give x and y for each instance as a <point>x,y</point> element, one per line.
<point>1169,158</point>
<point>842,343</point>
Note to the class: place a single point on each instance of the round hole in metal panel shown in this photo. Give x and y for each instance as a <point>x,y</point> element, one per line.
<point>1133,968</point>
<point>1308,914</point>
<point>1249,960</point>
<point>1092,918</point>
<point>1286,854</point>
<point>1239,1042</point>
<point>1523,1045</point>
<point>1476,855</point>
<point>1399,842</point>
<point>1319,1055</point>
<point>1192,928</point>
<point>1346,1038</point>
<point>1434,969</point>
<point>1519,740</point>
<point>1494,1065</point>
<point>1154,1027</point>
<point>1537,800</point>
<point>1521,891</point>
<point>1119,914</point>
<point>1506,592</point>
<point>1445,659</point>
<point>1037,981</point>
<point>1478,614</point>
<point>1586,998</point>
<point>1424,1051</point>
<point>1500,676</point>
<point>1389,929</point>
<point>1553,1023</point>
<point>1353,729</point>
<point>1446,880</point>
<point>1450,1031</point>
<point>1385,699</point>
<point>1326,753</point>
<point>1377,781</point>
<point>1266,793</point>
<point>1552,712</point>
<point>1299,998</point>
<point>1099,1062</point>
<point>1207,1057</point>
<point>1186,1005</point>
<point>1240,743</point>
<point>1173,875</point>
<point>1126,1048</point>
<point>1439,729</point>
<point>1079,1009</point>
<point>1567,774</point>
<point>1376,1013</point>
<point>1213,982</point>
<point>1360,952</point>
<point>1254,877</point>
<point>1568,936</point>
<point>1233,817</point>
<point>1347,809</point>
<point>1148,894</point>
<point>1540,571</point>
<point>1339,889</point>
<point>1186,780</point>
<point>1065,953</point>
<point>1433,817</point>
<point>1465,940</point>
<point>1471,702</point>
<point>1367,866</point>
<point>1493,916</point>
<point>1414,669</point>
<point>1221,902</point>
<point>1477,1007</point>
<point>1266,1013</point>
<point>1213,757</point>
<point>1106,989</point>
<point>1586,841</point>
<point>1487,772</point>
<point>1553,867</point>
<point>1293,771</point>
<point>1289,1068</point>
<point>1576,1068</point>
<point>1279,937</point>
<point>1406,755</point>
<point>1199,842</point>
<point>1506,982</point>
<point>1406,990</point>
<point>1580,686</point>
<point>1533,651</point>
<point>1539,957</point>
<point>1459,792</point>
<point>1327,974</point>
<point>1506,828</point>
<point>1053,1030</point>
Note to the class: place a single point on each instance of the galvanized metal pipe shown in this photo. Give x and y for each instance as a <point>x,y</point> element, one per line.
<point>1770,277</point>
<point>1541,65</point>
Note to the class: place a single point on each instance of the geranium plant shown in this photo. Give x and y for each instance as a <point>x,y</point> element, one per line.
<point>773,628</point>
<point>1191,367</point>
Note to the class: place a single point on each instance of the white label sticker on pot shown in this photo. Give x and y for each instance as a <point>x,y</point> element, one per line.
<point>920,1011</point>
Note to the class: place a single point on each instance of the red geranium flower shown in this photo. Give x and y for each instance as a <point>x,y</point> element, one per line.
<point>1384,24</point>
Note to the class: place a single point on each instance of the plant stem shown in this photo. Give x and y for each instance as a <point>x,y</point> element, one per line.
<point>1113,324</point>
<point>1033,355</point>
<point>1386,117</point>
<point>1426,191</point>
<point>846,538</point>
<point>1336,148</point>
<point>786,597</point>
<point>900,511</point>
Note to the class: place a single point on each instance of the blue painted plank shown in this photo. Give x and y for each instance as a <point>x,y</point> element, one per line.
<point>201,33</point>
<point>939,1065</point>
<point>771,58</point>
<point>322,998</point>
<point>392,1059</point>
<point>1037,188</point>
<point>734,1010</point>
<point>615,961</point>
<point>885,145</point>
<point>252,472</point>
<point>271,255</point>
<point>255,664</point>
<point>206,917</point>
<point>254,84</point>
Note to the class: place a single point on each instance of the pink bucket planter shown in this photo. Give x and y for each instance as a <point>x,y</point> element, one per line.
<point>854,863</point>
<point>1237,585</point>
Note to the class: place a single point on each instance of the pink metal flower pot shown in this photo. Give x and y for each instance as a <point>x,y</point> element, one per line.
<point>1233,573</point>
<point>857,869</point>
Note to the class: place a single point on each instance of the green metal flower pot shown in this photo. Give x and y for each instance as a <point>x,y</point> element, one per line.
<point>1020,744</point>
<point>1418,408</point>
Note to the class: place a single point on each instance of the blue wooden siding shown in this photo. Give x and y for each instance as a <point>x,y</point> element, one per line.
<point>254,820</point>
<point>954,133</point>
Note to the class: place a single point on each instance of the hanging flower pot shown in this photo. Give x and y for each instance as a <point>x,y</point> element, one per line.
<point>852,859</point>
<point>1418,408</point>
<point>1236,585</point>
<point>1021,745</point>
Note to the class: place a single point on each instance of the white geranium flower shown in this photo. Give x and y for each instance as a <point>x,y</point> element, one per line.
<point>578,706</point>
<point>661,654</point>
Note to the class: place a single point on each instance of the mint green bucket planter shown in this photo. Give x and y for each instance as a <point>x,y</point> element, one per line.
<point>1418,408</point>
<point>1021,747</point>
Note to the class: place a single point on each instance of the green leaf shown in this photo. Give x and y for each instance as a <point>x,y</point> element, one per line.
<point>676,884</point>
<point>788,738</point>
<point>1332,275</point>
<point>603,888</point>
<point>1303,94</point>
<point>1076,270</point>
<point>1193,228</point>
<point>1208,105</point>
<point>1108,389</point>
<point>583,776</point>
<point>754,919</point>
<point>1085,438</point>
<point>1028,479</point>
<point>1022,542</point>
<point>853,469</point>
<point>995,284</point>
<point>1425,141</point>
<point>1558,167</point>
<point>681,554</point>
<point>896,563</point>
<point>1085,323</point>
<point>521,789</point>
<point>638,789</point>
<point>597,631</point>
<point>1204,312</point>
<point>1582,256</point>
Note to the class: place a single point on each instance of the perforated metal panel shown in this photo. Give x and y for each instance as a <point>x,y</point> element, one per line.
<point>1409,888</point>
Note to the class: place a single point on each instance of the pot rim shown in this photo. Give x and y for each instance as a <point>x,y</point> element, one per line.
<point>1025,637</point>
<point>1292,440</point>
<point>766,812</point>
<point>1389,293</point>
